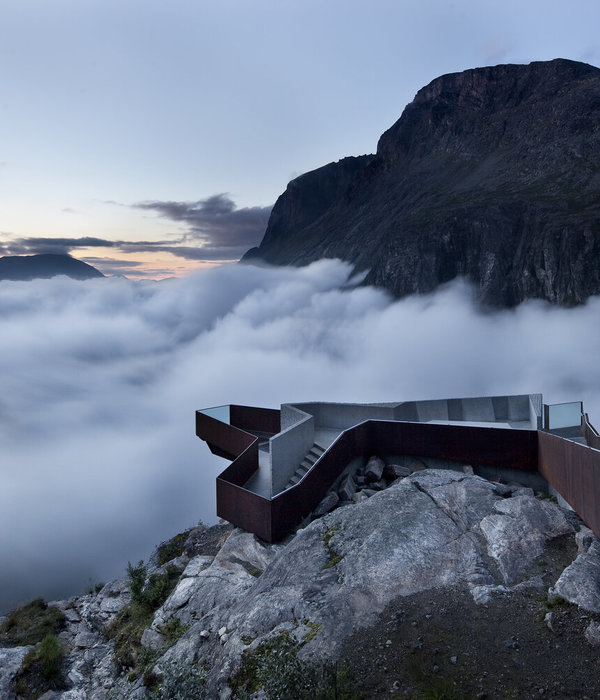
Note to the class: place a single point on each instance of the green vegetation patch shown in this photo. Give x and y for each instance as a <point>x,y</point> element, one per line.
<point>314,628</point>
<point>432,687</point>
<point>148,593</point>
<point>41,670</point>
<point>31,623</point>
<point>274,668</point>
<point>442,689</point>
<point>555,602</point>
<point>173,630</point>
<point>334,557</point>
<point>173,548</point>
<point>180,681</point>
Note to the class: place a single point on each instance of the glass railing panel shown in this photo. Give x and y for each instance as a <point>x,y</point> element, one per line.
<point>221,413</point>
<point>564,415</point>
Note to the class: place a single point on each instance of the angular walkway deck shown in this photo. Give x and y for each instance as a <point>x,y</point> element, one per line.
<point>573,469</point>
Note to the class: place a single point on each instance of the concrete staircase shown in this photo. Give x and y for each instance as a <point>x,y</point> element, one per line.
<point>312,456</point>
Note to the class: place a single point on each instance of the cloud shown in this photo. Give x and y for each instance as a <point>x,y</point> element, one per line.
<point>98,457</point>
<point>221,229</point>
<point>58,246</point>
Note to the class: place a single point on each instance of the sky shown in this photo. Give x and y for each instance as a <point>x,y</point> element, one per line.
<point>151,139</point>
<point>99,461</point>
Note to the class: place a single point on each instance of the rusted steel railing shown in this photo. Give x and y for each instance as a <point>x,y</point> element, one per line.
<point>574,471</point>
<point>233,440</point>
<point>590,433</point>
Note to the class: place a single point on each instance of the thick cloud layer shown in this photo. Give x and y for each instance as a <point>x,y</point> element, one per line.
<point>100,380</point>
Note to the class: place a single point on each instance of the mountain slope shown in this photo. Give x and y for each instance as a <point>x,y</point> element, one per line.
<point>439,572</point>
<point>29,267</point>
<point>491,174</point>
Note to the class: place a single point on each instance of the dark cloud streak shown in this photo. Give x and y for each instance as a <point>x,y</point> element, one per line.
<point>59,246</point>
<point>216,223</point>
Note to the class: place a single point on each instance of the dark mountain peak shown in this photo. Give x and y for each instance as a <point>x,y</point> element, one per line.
<point>456,107</point>
<point>491,174</point>
<point>516,81</point>
<point>29,267</point>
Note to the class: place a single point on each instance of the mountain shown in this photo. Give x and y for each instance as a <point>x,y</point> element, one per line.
<point>29,267</point>
<point>491,174</point>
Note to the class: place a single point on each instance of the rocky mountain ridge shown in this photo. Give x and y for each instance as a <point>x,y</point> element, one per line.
<point>490,174</point>
<point>43,266</point>
<point>347,588</point>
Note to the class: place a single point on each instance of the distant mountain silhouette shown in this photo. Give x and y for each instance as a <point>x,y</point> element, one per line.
<point>492,174</point>
<point>29,267</point>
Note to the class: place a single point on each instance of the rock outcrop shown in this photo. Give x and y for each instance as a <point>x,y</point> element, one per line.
<point>434,529</point>
<point>490,174</point>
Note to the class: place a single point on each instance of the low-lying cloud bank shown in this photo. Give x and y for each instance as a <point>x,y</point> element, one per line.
<point>100,380</point>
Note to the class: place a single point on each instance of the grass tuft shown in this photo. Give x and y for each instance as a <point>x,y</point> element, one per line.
<point>148,593</point>
<point>275,669</point>
<point>41,670</point>
<point>31,623</point>
<point>334,557</point>
<point>173,548</point>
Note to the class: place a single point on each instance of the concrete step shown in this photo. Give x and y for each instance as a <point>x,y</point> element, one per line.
<point>311,457</point>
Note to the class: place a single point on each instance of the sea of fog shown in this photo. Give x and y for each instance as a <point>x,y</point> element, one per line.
<point>100,379</point>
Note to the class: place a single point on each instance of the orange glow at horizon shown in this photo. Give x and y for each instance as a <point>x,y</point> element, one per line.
<point>143,265</point>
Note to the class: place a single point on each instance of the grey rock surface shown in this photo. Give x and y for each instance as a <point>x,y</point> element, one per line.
<point>328,503</point>
<point>433,529</point>
<point>10,662</point>
<point>517,531</point>
<point>592,633</point>
<point>396,471</point>
<point>347,488</point>
<point>374,469</point>
<point>580,582</point>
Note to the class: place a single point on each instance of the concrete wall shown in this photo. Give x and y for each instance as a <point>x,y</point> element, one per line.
<point>346,415</point>
<point>432,410</point>
<point>478,409</point>
<point>535,411</point>
<point>290,416</point>
<point>289,447</point>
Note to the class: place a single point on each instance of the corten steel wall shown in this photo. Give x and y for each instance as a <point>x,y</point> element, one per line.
<point>515,449</point>
<point>590,433</point>
<point>244,508</point>
<point>291,506</point>
<point>229,440</point>
<point>234,503</point>
<point>264,420</point>
<point>574,471</point>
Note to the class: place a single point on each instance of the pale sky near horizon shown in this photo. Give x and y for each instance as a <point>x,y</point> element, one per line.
<point>151,138</point>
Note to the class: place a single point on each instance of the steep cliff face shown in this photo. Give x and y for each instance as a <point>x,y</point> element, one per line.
<point>305,200</point>
<point>491,174</point>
